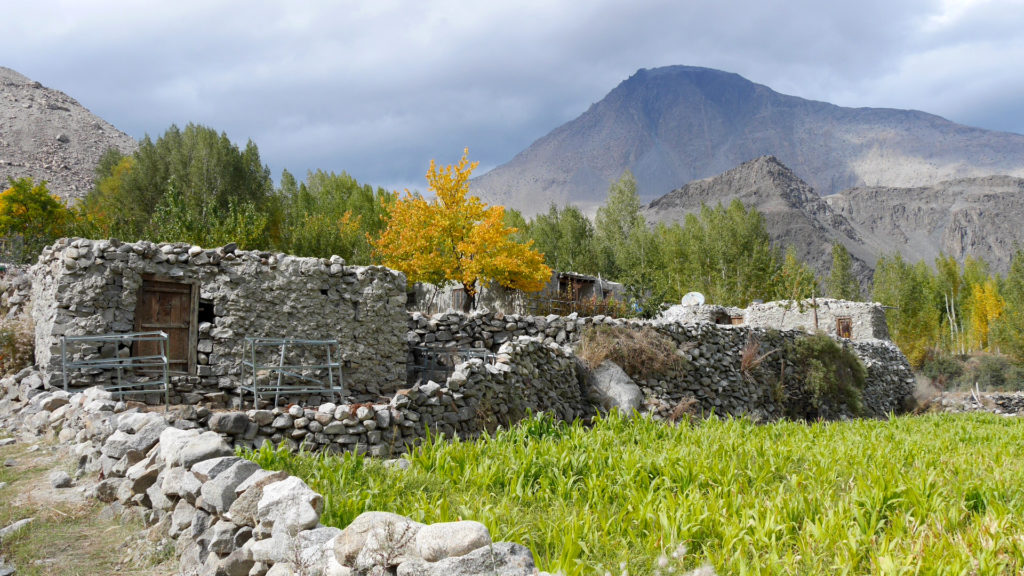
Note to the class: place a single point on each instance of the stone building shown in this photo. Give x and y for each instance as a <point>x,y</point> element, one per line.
<point>209,301</point>
<point>837,318</point>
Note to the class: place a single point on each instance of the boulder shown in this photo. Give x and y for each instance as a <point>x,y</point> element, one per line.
<point>376,538</point>
<point>289,505</point>
<point>445,539</point>
<point>219,493</point>
<point>232,423</point>
<point>244,509</point>
<point>501,559</point>
<point>203,447</point>
<point>612,389</point>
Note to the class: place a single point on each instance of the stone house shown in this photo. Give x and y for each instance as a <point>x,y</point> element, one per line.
<point>208,302</point>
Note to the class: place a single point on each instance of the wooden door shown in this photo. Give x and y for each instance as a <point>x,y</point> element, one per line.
<point>844,327</point>
<point>170,307</point>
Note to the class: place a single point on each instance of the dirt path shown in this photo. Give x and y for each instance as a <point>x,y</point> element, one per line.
<point>70,533</point>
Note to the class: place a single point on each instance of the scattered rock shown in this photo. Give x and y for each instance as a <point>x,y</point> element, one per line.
<point>60,479</point>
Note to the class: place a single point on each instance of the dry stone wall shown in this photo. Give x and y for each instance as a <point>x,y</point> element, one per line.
<point>83,287</point>
<point>224,515</point>
<point>714,378</point>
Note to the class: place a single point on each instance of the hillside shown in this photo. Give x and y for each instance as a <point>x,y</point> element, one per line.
<point>794,214</point>
<point>47,135</point>
<point>979,217</point>
<point>677,124</point>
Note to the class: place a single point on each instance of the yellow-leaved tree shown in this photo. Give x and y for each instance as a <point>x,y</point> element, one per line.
<point>456,237</point>
<point>986,308</point>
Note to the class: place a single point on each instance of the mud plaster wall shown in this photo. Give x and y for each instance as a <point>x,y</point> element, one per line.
<point>82,287</point>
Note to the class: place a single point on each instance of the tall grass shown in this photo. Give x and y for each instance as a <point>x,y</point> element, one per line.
<point>939,494</point>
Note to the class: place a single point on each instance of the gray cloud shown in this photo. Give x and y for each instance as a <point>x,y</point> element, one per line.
<point>378,89</point>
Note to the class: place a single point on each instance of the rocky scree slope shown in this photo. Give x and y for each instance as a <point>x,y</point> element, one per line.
<point>47,135</point>
<point>676,124</point>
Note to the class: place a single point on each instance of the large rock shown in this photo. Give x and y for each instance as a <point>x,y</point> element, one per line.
<point>122,442</point>
<point>612,389</point>
<point>501,559</point>
<point>377,536</point>
<point>444,539</point>
<point>199,448</point>
<point>289,505</point>
<point>232,423</point>
<point>219,493</point>
<point>244,510</point>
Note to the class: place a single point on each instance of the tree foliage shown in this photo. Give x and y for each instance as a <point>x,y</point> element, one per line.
<point>330,214</point>
<point>190,185</point>
<point>841,282</point>
<point>565,237</point>
<point>30,218</point>
<point>456,237</point>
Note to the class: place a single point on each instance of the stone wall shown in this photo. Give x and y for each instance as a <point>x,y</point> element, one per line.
<point>83,287</point>
<point>714,377</point>
<point>222,514</point>
<point>867,319</point>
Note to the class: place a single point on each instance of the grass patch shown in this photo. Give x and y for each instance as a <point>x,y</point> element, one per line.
<point>66,537</point>
<point>938,494</point>
<point>641,351</point>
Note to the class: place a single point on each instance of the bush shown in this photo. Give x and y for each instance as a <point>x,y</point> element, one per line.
<point>942,369</point>
<point>832,373</point>
<point>639,351</point>
<point>17,345</point>
<point>992,372</point>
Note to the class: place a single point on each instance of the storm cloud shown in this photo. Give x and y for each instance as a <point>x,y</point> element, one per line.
<point>377,89</point>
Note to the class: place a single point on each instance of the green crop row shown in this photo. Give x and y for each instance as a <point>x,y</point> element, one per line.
<point>935,494</point>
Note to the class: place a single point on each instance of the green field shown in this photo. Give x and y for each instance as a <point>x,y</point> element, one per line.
<point>935,494</point>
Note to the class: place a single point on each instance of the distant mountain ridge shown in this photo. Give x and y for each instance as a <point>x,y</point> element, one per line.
<point>794,214</point>
<point>676,124</point>
<point>47,135</point>
<point>978,217</point>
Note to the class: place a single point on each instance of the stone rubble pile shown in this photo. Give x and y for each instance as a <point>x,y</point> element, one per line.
<point>1002,403</point>
<point>226,515</point>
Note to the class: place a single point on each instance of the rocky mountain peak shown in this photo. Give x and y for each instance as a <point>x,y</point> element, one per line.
<point>47,135</point>
<point>677,124</point>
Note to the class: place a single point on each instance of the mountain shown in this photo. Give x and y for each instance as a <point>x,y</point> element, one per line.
<point>47,135</point>
<point>677,124</point>
<point>793,213</point>
<point>979,217</point>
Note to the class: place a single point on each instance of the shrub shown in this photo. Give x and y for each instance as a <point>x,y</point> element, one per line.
<point>17,344</point>
<point>942,369</point>
<point>992,372</point>
<point>832,373</point>
<point>639,351</point>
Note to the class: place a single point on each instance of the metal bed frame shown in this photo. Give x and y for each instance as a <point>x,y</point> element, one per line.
<point>307,385</point>
<point>120,364</point>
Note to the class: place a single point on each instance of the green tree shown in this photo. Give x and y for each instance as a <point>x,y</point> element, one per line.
<point>626,249</point>
<point>30,218</point>
<point>912,293</point>
<point>841,282</point>
<point>331,214</point>
<point>723,252</point>
<point>189,185</point>
<point>566,238</point>
<point>1008,329</point>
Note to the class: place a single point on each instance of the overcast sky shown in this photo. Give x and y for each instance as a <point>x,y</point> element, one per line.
<point>377,88</point>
